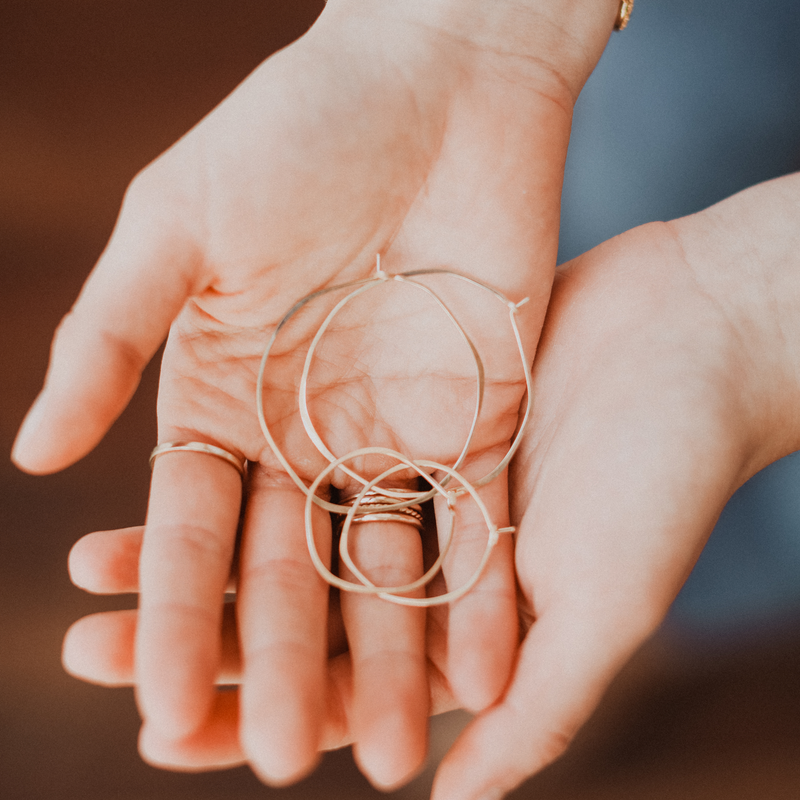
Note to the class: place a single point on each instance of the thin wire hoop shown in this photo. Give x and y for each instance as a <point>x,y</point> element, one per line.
<point>358,287</point>
<point>308,424</point>
<point>391,593</point>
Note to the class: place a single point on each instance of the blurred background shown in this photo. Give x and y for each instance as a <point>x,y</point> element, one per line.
<point>692,103</point>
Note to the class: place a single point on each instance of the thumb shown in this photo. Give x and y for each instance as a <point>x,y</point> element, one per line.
<point>558,681</point>
<point>101,347</point>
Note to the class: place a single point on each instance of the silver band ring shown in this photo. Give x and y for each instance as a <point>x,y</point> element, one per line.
<point>239,464</point>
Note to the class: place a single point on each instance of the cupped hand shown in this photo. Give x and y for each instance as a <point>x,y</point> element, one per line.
<point>100,648</point>
<point>393,132</point>
<point>667,374</point>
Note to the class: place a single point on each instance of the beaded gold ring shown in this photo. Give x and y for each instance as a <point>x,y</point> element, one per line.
<point>623,15</point>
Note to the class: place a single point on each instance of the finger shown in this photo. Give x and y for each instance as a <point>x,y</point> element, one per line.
<point>107,562</point>
<point>120,318</point>
<point>186,558</point>
<point>338,731</point>
<point>218,745</point>
<point>563,669</point>
<point>215,746</point>
<point>482,628</point>
<point>387,647</point>
<point>99,648</point>
<point>283,610</point>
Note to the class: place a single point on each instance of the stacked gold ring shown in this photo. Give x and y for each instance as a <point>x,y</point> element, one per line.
<point>370,505</point>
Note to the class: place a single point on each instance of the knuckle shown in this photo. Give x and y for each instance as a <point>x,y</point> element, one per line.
<point>291,575</point>
<point>190,544</point>
<point>553,745</point>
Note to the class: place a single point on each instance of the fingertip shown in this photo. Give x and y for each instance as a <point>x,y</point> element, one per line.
<point>284,707</point>
<point>107,562</point>
<point>65,425</point>
<point>215,746</point>
<point>478,767</point>
<point>99,648</point>
<point>82,566</point>
<point>481,666</point>
<point>336,730</point>
<point>277,760</point>
<point>71,651</point>
<point>483,637</point>
<point>174,700</point>
<point>172,727</point>
<point>92,374</point>
<point>280,773</point>
<point>29,452</point>
<point>281,740</point>
<point>177,721</point>
<point>475,686</point>
<point>391,753</point>
<point>390,719</point>
<point>156,750</point>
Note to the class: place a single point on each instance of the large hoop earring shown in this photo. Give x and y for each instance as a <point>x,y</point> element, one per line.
<point>395,500</point>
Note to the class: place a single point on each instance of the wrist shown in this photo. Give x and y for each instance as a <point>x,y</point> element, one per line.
<point>492,81</point>
<point>553,45</point>
<point>745,252</point>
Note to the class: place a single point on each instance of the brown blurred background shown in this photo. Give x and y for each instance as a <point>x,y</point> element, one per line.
<point>90,91</point>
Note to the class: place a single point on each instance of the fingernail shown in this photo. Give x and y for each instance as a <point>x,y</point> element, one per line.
<point>28,430</point>
<point>492,794</point>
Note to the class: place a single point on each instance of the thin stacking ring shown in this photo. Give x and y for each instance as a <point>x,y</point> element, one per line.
<point>372,508</point>
<point>239,464</point>
<point>404,515</point>
<point>378,496</point>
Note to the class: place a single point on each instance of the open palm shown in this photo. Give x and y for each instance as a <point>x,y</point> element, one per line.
<point>667,375</point>
<point>367,136</point>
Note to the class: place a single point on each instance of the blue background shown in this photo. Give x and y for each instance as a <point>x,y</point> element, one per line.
<point>692,103</point>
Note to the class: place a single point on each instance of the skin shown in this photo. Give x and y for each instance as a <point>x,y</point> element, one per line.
<point>668,373</point>
<point>434,134</point>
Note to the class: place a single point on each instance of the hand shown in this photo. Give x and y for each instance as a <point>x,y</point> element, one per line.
<point>668,373</point>
<point>378,132</point>
<point>100,648</point>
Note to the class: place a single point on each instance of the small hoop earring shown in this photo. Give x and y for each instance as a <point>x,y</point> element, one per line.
<point>390,593</point>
